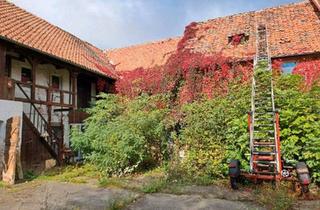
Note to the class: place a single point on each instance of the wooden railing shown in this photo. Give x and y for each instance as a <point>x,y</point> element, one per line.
<point>43,95</point>
<point>42,127</point>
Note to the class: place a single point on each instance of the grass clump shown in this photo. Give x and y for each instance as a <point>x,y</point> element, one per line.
<point>2,185</point>
<point>120,203</point>
<point>113,182</point>
<point>73,174</point>
<point>154,186</point>
<point>279,198</point>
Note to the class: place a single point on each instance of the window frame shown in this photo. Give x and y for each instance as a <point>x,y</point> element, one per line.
<point>60,82</point>
<point>28,78</point>
<point>288,69</point>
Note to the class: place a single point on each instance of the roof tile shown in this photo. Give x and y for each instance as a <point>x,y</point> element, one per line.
<point>292,29</point>
<point>22,27</point>
<point>146,55</point>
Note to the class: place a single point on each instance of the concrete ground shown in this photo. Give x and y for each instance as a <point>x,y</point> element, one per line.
<point>57,195</point>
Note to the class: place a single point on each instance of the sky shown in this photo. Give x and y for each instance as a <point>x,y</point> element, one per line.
<point>118,23</point>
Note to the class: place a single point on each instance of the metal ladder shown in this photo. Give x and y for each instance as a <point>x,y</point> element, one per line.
<point>265,157</point>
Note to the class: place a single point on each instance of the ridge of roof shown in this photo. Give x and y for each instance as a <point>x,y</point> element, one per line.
<point>292,29</point>
<point>146,55</point>
<point>255,11</point>
<point>160,41</point>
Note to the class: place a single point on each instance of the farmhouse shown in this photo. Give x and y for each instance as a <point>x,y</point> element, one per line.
<point>293,36</point>
<point>48,75</point>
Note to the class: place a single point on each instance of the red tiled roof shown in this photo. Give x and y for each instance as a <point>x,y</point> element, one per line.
<point>28,30</point>
<point>292,29</point>
<point>146,55</point>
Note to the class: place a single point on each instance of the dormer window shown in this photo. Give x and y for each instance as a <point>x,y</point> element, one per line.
<point>237,39</point>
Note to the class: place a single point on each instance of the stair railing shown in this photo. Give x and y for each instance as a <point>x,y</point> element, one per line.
<point>41,124</point>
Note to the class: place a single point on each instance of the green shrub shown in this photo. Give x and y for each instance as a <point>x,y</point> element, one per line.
<point>299,122</point>
<point>123,136</point>
<point>214,131</point>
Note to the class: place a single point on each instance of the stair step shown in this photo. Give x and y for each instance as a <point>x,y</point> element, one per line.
<point>262,96</point>
<point>263,153</point>
<point>261,85</point>
<point>263,119</point>
<point>265,158</point>
<point>262,99</point>
<point>265,162</point>
<point>264,172</point>
<point>262,131</point>
<point>267,109</point>
<point>263,103</point>
<point>259,165</point>
<point>263,93</point>
<point>264,125</point>
<point>263,139</point>
<point>264,145</point>
<point>264,113</point>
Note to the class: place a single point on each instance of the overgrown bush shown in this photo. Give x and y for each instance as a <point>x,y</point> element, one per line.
<point>299,122</point>
<point>122,136</point>
<point>215,131</point>
<point>128,135</point>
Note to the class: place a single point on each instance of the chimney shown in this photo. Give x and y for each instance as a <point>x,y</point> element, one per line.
<point>316,3</point>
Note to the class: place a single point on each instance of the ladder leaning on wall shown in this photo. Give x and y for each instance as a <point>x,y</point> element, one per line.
<point>265,157</point>
<point>263,120</point>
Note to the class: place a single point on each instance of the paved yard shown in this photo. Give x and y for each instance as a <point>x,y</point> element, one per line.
<point>57,195</point>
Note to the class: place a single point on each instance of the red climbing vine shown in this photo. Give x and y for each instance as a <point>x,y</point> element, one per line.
<point>186,75</point>
<point>237,39</point>
<point>101,85</point>
<point>310,70</point>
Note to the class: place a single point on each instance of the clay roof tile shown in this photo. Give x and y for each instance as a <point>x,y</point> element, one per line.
<point>28,30</point>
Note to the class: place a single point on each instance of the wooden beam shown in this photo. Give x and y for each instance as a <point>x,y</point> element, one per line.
<point>34,64</point>
<point>74,83</point>
<point>316,3</point>
<point>3,50</point>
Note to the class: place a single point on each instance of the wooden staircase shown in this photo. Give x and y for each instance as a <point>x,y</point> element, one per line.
<point>41,127</point>
<point>264,120</point>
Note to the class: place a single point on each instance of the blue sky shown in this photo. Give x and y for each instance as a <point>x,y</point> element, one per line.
<point>118,23</point>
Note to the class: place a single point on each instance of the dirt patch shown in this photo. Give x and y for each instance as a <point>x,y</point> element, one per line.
<point>161,201</point>
<point>43,194</point>
<point>55,195</point>
<point>216,191</point>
